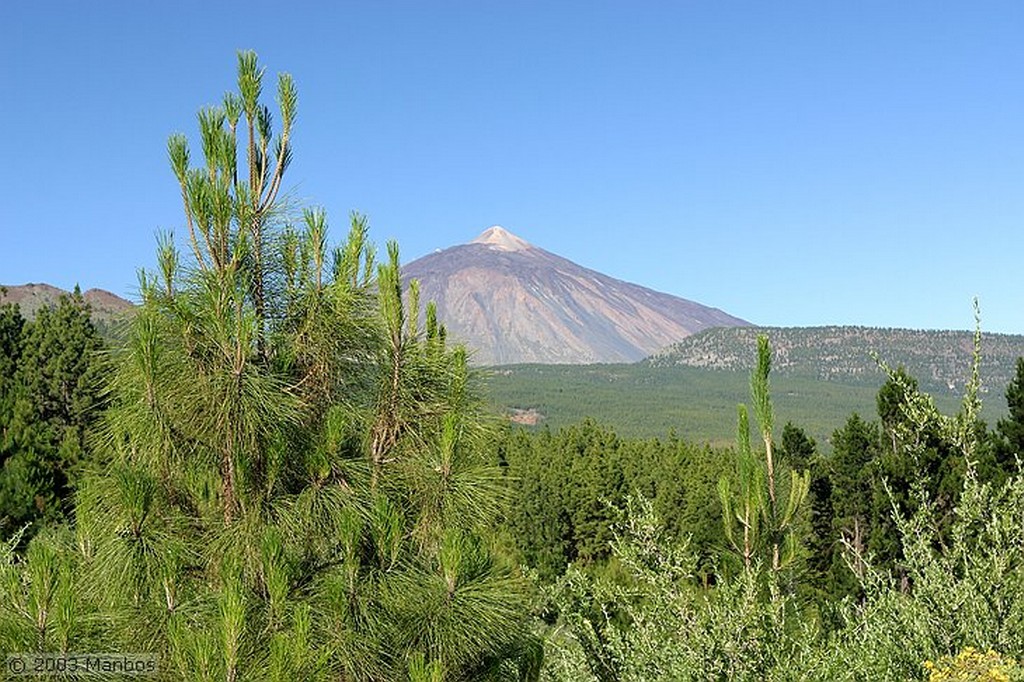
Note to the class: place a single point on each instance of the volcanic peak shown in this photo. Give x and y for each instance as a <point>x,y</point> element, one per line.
<point>514,302</point>
<point>500,239</point>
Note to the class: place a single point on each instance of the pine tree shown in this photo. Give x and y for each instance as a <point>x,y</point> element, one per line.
<point>854,489</point>
<point>1011,428</point>
<point>759,492</point>
<point>798,449</point>
<point>915,462</point>
<point>743,503</point>
<point>293,483</point>
<point>53,368</point>
<point>12,325</point>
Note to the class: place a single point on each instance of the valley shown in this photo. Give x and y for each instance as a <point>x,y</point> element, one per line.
<point>697,404</point>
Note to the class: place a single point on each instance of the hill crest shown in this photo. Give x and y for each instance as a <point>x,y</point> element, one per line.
<point>105,305</point>
<point>939,359</point>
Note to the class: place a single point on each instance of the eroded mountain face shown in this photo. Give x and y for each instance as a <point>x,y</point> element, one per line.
<point>513,302</point>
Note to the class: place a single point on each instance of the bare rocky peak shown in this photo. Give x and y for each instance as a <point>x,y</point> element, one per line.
<point>512,302</point>
<point>497,237</point>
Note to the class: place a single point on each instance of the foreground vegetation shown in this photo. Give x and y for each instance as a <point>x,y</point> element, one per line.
<point>284,471</point>
<point>288,481</point>
<point>880,576</point>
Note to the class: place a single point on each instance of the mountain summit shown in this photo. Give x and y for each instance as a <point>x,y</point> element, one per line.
<point>498,237</point>
<point>513,302</point>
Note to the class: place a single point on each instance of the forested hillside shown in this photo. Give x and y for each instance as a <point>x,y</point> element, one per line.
<point>896,556</point>
<point>690,389</point>
<point>941,360</point>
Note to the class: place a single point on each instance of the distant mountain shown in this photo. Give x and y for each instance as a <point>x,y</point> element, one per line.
<point>940,360</point>
<point>106,306</point>
<point>513,302</point>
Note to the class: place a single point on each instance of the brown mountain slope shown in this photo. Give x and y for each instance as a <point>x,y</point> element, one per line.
<point>30,297</point>
<point>513,302</point>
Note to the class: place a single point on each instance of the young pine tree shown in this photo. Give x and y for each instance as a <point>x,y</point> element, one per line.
<point>760,507</point>
<point>293,485</point>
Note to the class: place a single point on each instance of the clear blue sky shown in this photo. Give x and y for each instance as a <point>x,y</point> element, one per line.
<point>793,163</point>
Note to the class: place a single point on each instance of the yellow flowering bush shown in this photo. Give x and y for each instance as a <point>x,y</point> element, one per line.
<point>971,665</point>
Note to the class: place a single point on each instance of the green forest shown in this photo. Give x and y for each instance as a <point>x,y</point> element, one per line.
<point>279,468</point>
<point>698,404</point>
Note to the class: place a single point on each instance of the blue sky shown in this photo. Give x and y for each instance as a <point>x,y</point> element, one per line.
<point>793,163</point>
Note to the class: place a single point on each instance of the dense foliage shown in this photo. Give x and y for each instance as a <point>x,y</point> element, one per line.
<point>957,585</point>
<point>51,377</point>
<point>572,485</point>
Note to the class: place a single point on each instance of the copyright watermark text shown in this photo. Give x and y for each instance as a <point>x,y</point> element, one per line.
<point>83,665</point>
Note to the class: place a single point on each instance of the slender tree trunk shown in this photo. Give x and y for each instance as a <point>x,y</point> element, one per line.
<point>858,545</point>
<point>386,429</point>
<point>228,476</point>
<point>772,507</point>
<point>748,551</point>
<point>257,286</point>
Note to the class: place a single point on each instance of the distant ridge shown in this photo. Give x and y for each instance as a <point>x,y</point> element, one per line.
<point>940,360</point>
<point>30,297</point>
<point>512,302</point>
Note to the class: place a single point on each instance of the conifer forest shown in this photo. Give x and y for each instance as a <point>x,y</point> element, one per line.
<point>279,467</point>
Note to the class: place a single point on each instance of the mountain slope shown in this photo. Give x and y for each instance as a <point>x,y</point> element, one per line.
<point>513,302</point>
<point>940,360</point>
<point>105,306</point>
